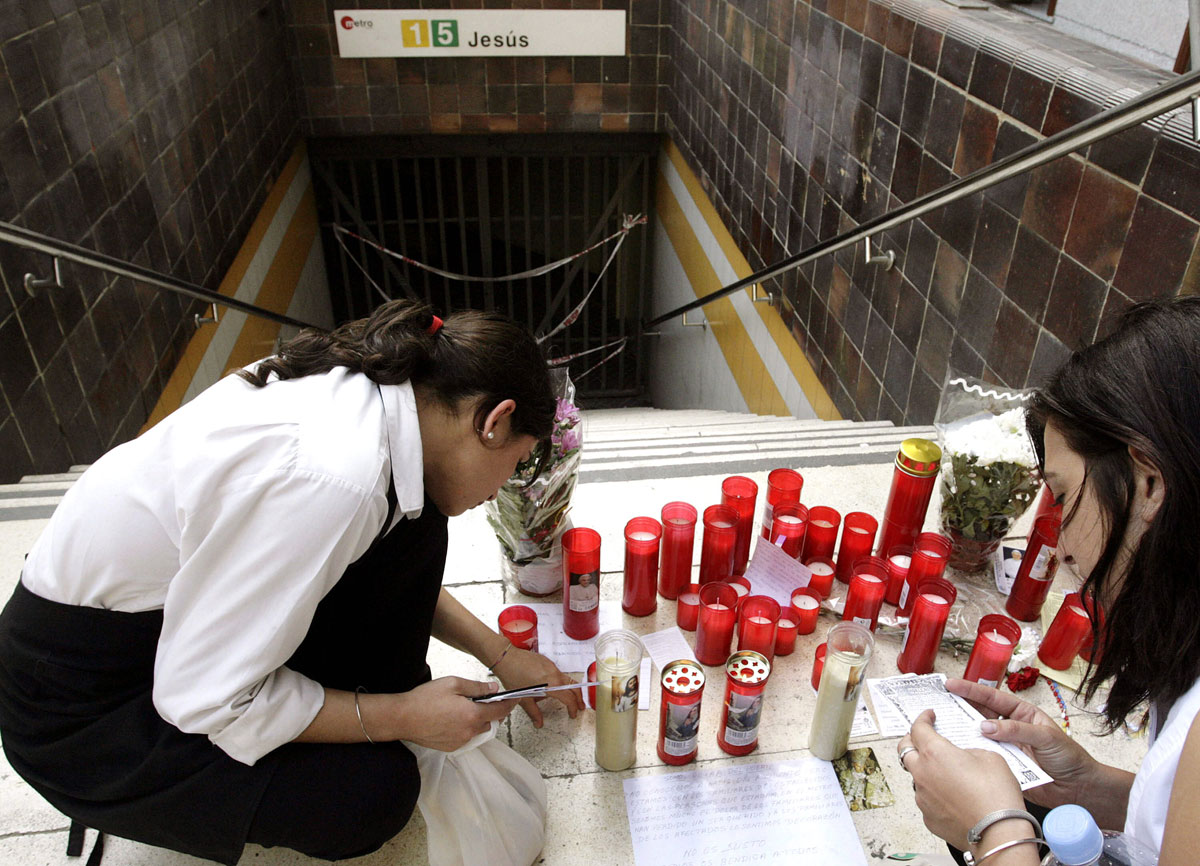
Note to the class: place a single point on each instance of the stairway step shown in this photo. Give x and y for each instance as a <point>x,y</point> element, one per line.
<point>740,463</point>
<point>58,476</point>
<point>745,431</point>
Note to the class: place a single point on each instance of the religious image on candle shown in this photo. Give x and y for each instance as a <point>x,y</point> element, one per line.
<point>624,693</point>
<point>741,720</point>
<point>683,726</point>
<point>584,594</point>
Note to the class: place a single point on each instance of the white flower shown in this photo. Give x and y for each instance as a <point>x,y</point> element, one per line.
<point>992,439</point>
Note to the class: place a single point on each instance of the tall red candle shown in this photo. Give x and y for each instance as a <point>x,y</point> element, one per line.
<point>926,626</point>
<point>746,674</point>
<point>1036,573</point>
<point>868,586</point>
<point>687,607</point>
<point>822,574</point>
<point>788,528</point>
<point>898,561</point>
<point>642,536</point>
<point>995,641</point>
<point>581,583</point>
<point>740,493</point>
<point>758,622</point>
<point>929,559</point>
<point>806,607</point>
<point>858,537</point>
<point>1066,634</point>
<point>717,544</point>
<point>714,630</point>
<point>679,713</point>
<point>913,480</point>
<point>678,541</point>
<point>783,488</point>
<point>821,535</point>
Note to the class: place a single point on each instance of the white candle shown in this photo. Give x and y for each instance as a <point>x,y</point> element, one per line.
<point>860,530</point>
<point>739,589</point>
<point>820,568</point>
<point>870,578</point>
<point>805,602</point>
<point>834,714</point>
<point>787,623</point>
<point>1077,609</point>
<point>760,620</point>
<point>722,524</point>
<point>824,524</point>
<point>519,625</point>
<point>642,536</point>
<point>903,560</point>
<point>789,518</point>
<point>999,638</point>
<point>718,607</point>
<point>936,599</point>
<point>690,598</point>
<point>678,521</point>
<point>616,733</point>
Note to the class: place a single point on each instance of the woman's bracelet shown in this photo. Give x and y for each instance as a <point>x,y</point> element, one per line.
<point>975,834</point>
<point>971,860</point>
<point>492,666</point>
<point>358,712</point>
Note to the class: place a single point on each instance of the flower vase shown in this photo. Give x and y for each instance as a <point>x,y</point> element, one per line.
<point>970,554</point>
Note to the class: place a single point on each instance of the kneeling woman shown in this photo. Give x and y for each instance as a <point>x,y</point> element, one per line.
<point>220,637</point>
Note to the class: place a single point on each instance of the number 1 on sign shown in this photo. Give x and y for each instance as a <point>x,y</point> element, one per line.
<point>415,33</point>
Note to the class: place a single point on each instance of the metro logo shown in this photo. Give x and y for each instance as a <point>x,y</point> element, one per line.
<point>347,22</point>
<point>416,33</point>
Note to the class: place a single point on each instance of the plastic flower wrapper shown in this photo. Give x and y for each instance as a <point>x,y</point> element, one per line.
<point>530,516</point>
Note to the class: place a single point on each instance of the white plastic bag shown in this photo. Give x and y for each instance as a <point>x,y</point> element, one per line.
<point>482,804</point>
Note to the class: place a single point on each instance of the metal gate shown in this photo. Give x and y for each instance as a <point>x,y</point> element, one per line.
<point>492,206</point>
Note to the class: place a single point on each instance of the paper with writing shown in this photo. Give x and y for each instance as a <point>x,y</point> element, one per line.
<point>666,646</point>
<point>572,656</point>
<point>772,572</point>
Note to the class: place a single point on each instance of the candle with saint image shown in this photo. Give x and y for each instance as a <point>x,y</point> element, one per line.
<point>785,634</point>
<point>687,609</point>
<point>929,559</point>
<point>783,488</point>
<point>518,623</point>
<point>848,649</point>
<point>867,589</point>
<point>927,623</point>
<point>994,644</point>
<point>618,658</point>
<point>758,621</point>
<point>746,674</point>
<point>806,607</point>
<point>822,574</point>
<point>788,527</point>
<point>714,629</point>
<point>821,535</point>
<point>1066,634</point>
<point>641,566</point>
<point>858,536</point>
<point>678,539</point>
<point>581,583</point>
<point>1032,584</point>
<point>740,493</point>
<point>898,559</point>
<point>717,543</point>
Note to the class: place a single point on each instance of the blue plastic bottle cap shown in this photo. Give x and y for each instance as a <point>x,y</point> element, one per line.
<point>1072,835</point>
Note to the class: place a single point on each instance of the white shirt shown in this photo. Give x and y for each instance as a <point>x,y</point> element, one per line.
<point>235,516</point>
<point>1150,797</point>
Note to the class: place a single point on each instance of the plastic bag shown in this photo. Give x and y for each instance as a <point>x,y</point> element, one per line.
<point>540,576</point>
<point>483,804</point>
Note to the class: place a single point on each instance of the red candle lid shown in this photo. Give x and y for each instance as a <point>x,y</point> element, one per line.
<point>919,457</point>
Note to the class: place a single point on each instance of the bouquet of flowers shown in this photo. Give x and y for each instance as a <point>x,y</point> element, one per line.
<point>989,472</point>
<point>529,515</point>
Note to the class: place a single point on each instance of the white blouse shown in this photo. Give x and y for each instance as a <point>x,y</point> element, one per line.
<point>235,516</point>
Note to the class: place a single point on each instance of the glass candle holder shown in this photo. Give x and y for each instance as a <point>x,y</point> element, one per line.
<point>822,569</point>
<point>788,528</point>
<point>618,658</point>
<point>687,607</point>
<point>746,674</point>
<point>1091,651</point>
<point>858,537</point>
<point>806,607</point>
<point>741,585</point>
<point>518,623</point>
<point>717,543</point>
<point>994,644</point>
<point>785,633</point>
<point>679,712</point>
<point>758,622</point>
<point>913,480</point>
<point>1032,584</point>
<point>848,650</point>
<point>898,561</point>
<point>581,583</point>
<point>740,493</point>
<point>926,624</point>
<point>1066,634</point>
<point>868,586</point>
<point>714,628</point>
<point>678,542</point>
<point>642,536</point>
<point>931,554</point>
<point>783,488</point>
<point>818,667</point>
<point>821,535</point>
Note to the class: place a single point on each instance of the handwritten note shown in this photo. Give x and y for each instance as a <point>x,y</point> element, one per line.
<point>570,654</point>
<point>772,572</point>
<point>783,813</point>
<point>667,645</point>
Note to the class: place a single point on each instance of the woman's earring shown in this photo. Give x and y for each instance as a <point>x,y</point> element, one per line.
<point>491,434</point>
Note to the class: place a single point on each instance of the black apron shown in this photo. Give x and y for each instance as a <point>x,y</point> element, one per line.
<point>79,725</point>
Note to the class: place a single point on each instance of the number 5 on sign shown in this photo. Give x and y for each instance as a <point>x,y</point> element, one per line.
<point>445,34</point>
<point>415,33</point>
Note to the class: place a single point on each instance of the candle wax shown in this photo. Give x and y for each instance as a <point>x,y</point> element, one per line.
<point>999,638</point>
<point>824,524</point>
<point>833,715</point>
<point>789,518</point>
<point>642,536</point>
<point>717,606</point>
<point>690,598</point>
<point>821,568</point>
<point>616,733</point>
<point>805,602</point>
<point>936,599</point>
<point>678,521</point>
<point>860,530</point>
<point>1077,609</point>
<point>870,578</point>
<point>760,620</point>
<point>739,589</point>
<point>902,559</point>
<point>721,524</point>
<point>518,625</point>
<point>787,623</point>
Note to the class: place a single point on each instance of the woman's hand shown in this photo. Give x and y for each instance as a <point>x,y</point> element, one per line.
<point>440,715</point>
<point>520,668</point>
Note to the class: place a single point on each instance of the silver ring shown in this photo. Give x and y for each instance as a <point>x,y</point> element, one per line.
<point>904,752</point>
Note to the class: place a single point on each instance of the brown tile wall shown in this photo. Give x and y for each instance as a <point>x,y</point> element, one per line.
<point>806,118</point>
<point>478,94</point>
<point>146,130</point>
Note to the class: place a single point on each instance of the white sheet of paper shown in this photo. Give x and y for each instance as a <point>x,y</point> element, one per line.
<point>666,646</point>
<point>899,700</point>
<point>572,656</point>
<point>772,572</point>
<point>782,813</point>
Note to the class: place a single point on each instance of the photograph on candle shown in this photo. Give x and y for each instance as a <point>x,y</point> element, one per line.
<point>584,593</point>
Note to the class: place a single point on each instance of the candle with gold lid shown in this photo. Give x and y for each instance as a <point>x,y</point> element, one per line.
<point>913,479</point>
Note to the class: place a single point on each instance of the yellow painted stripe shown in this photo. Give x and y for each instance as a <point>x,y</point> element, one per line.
<point>181,377</point>
<point>797,361</point>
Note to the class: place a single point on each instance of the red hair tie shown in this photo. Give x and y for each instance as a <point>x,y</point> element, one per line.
<point>434,326</point>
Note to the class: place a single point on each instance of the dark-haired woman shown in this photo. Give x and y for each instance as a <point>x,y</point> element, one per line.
<point>220,636</point>
<point>1118,432</point>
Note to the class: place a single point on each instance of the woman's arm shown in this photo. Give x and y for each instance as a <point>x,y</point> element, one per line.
<point>1181,837</point>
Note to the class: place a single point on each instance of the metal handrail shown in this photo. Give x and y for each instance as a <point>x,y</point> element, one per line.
<point>62,250</point>
<point>1140,108</point>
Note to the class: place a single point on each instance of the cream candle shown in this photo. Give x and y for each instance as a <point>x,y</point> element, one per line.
<point>805,602</point>
<point>618,657</point>
<point>848,650</point>
<point>823,569</point>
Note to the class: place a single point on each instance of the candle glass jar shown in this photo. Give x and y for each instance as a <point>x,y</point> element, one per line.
<point>806,607</point>
<point>678,541</point>
<point>717,544</point>
<point>679,712</point>
<point>926,625</point>
<point>758,622</point>
<point>788,528</point>
<point>899,560</point>
<point>746,674</point>
<point>913,480</point>
<point>820,538</point>
<point>868,586</point>
<point>783,488</point>
<point>930,557</point>
<point>1066,634</point>
<point>785,633</point>
<point>848,649</point>
<point>1032,584</point>
<point>741,585</point>
<point>740,493</point>
<point>995,641</point>
<point>714,630</point>
<point>822,569</point>
<point>642,536</point>
<point>687,607</point>
<point>518,623</point>
<point>581,583</point>
<point>618,658</point>
<point>858,537</point>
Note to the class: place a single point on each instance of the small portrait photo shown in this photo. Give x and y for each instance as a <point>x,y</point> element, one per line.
<point>584,591</point>
<point>682,721</point>
<point>744,712</point>
<point>1006,562</point>
<point>625,695</point>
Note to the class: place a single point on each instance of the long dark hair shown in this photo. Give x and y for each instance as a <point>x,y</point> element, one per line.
<point>483,357</point>
<point>1139,387</point>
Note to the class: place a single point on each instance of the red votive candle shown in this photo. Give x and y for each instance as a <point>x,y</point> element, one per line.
<point>581,583</point>
<point>785,634</point>
<point>518,623</point>
<point>806,607</point>
<point>822,574</point>
<point>788,527</point>
<point>741,585</point>
<point>867,589</point>
<point>717,544</point>
<point>679,712</point>
<point>642,536</point>
<point>758,622</point>
<point>821,535</point>
<point>994,644</point>
<point>858,537</point>
<point>818,667</point>
<point>678,540</point>
<point>926,625</point>
<point>1066,634</point>
<point>740,493</point>
<point>1096,614</point>
<point>1036,573</point>
<point>714,629</point>
<point>913,480</point>
<point>783,488</point>
<point>687,607</point>
<point>746,674</point>
<point>899,559</point>
<point>930,556</point>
